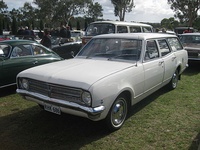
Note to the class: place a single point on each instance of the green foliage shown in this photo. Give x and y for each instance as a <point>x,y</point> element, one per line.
<point>41,25</point>
<point>78,25</point>
<point>185,10</point>
<point>54,11</point>
<point>121,7</point>
<point>1,26</point>
<point>3,6</point>
<point>170,23</point>
<point>94,11</point>
<point>14,26</point>
<point>197,23</point>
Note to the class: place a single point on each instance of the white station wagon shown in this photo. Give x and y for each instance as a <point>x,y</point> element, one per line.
<point>110,74</point>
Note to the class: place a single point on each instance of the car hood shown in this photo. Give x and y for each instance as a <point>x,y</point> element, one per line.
<point>81,73</point>
<point>191,46</point>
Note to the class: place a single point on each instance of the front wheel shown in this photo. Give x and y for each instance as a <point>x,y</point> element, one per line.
<point>117,114</point>
<point>174,81</point>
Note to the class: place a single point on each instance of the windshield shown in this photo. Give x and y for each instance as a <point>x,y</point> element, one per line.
<point>119,48</point>
<point>100,28</point>
<point>190,39</point>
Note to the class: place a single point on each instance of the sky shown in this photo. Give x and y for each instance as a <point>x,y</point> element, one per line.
<point>152,11</point>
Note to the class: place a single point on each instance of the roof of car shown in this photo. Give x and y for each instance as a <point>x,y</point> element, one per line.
<point>122,23</point>
<point>17,42</point>
<point>194,33</point>
<point>141,36</point>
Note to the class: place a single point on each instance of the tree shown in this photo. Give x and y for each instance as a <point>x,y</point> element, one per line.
<point>78,25</point>
<point>29,14</point>
<point>170,23</point>
<point>121,7</point>
<point>94,11</point>
<point>196,24</point>
<point>185,10</point>
<point>1,26</point>
<point>3,6</point>
<point>61,10</point>
<point>14,26</point>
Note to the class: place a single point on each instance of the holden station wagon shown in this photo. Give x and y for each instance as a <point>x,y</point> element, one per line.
<point>111,73</point>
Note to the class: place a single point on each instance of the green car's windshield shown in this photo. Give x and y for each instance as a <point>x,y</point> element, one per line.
<point>119,48</point>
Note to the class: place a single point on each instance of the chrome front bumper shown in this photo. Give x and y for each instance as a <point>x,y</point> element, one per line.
<point>65,106</point>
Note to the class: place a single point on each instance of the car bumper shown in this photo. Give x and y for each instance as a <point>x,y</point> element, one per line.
<point>65,106</point>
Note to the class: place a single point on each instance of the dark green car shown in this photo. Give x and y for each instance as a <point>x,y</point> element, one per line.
<point>18,55</point>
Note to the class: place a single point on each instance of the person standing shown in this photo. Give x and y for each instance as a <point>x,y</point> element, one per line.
<point>63,32</point>
<point>68,35</point>
<point>46,39</point>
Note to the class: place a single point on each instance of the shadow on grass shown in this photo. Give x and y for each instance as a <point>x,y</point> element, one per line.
<point>193,69</point>
<point>196,143</point>
<point>7,91</point>
<point>34,128</point>
<point>146,101</point>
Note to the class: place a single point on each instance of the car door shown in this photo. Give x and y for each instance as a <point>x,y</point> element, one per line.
<point>153,66</point>
<point>20,59</point>
<point>169,59</point>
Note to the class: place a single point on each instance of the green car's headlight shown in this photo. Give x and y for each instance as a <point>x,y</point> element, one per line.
<point>86,97</point>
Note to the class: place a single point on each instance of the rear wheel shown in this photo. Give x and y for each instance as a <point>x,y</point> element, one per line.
<point>117,114</point>
<point>174,81</point>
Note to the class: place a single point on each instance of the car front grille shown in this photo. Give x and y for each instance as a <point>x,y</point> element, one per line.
<point>56,91</point>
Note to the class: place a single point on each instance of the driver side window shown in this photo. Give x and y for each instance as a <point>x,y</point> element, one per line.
<point>151,50</point>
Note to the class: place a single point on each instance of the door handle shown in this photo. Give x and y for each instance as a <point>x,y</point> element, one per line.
<point>173,58</point>
<point>35,62</point>
<point>160,63</point>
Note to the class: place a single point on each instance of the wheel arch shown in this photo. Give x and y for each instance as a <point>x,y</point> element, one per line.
<point>128,95</point>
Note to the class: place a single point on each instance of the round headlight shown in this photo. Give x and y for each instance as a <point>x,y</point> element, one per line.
<point>25,84</point>
<point>86,97</point>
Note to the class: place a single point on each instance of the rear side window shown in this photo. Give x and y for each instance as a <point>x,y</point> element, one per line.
<point>164,48</point>
<point>134,29</point>
<point>38,50</point>
<point>175,44</point>
<point>122,29</point>
<point>147,29</point>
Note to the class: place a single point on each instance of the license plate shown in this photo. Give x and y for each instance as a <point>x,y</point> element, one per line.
<point>52,108</point>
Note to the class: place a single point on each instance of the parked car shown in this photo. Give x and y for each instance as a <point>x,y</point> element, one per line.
<point>68,50</point>
<point>112,27</point>
<point>111,73</point>
<point>4,37</point>
<point>18,55</point>
<point>191,42</point>
<point>77,35</point>
<point>181,30</point>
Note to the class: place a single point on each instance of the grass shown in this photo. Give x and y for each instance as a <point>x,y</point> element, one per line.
<point>166,120</point>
